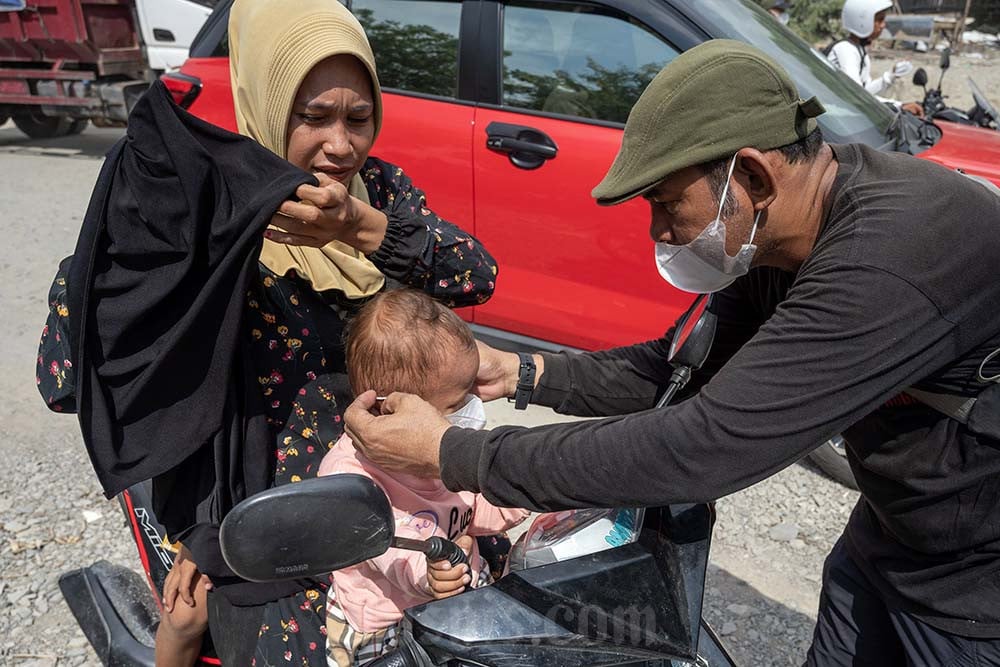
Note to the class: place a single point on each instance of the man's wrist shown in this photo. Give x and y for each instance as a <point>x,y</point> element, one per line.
<point>526,380</point>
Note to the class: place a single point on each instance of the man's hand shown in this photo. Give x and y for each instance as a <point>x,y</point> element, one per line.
<point>328,213</point>
<point>446,580</point>
<point>497,376</point>
<point>406,437</point>
<point>498,371</point>
<point>182,580</point>
<point>915,108</point>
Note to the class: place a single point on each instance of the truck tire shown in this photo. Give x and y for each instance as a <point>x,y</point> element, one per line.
<point>78,125</point>
<point>38,126</point>
<point>831,459</point>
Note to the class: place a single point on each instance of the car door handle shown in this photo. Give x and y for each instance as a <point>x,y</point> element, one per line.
<point>527,147</point>
<point>508,145</point>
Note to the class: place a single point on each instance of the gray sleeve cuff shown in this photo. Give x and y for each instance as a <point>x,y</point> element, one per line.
<point>460,454</point>
<point>555,384</point>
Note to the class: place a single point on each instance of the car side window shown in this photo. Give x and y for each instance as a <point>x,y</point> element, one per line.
<point>577,60</point>
<point>415,43</point>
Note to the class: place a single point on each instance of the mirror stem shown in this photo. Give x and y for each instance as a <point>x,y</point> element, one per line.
<point>680,377</point>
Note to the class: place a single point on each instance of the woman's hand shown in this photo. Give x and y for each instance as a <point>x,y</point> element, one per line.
<point>498,372</point>
<point>182,580</point>
<point>328,213</point>
<point>446,580</point>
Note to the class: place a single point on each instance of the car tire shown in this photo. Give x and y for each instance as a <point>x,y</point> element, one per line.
<point>3,119</point>
<point>38,126</point>
<point>831,458</point>
<point>78,125</point>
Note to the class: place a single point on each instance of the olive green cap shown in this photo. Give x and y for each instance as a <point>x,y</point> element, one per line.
<point>705,105</point>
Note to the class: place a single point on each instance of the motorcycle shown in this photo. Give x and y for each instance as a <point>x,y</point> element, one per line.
<point>982,114</point>
<point>620,586</point>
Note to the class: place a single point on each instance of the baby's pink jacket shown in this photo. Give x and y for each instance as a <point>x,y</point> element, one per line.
<point>374,594</point>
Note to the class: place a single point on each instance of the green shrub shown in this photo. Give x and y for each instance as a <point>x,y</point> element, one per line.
<point>816,21</point>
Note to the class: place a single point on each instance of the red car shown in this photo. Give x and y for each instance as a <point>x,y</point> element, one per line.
<point>508,114</point>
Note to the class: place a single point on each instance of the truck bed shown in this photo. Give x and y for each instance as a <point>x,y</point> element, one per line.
<point>98,36</point>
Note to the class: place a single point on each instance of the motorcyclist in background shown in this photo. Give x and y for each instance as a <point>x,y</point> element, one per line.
<point>864,21</point>
<point>779,10</point>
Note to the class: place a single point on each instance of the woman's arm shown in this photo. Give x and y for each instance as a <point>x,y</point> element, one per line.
<point>54,374</point>
<point>421,249</point>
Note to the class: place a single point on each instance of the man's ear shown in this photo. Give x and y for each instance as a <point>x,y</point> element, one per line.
<point>758,175</point>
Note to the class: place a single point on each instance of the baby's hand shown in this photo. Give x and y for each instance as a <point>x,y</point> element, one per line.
<point>445,580</point>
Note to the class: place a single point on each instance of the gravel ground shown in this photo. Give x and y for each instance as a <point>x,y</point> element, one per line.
<point>769,544</point>
<point>981,64</point>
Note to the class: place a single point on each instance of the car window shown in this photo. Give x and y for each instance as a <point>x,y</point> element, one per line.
<point>577,60</point>
<point>852,114</point>
<point>415,43</point>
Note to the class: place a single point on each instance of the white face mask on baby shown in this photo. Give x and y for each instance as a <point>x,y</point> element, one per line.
<point>472,414</point>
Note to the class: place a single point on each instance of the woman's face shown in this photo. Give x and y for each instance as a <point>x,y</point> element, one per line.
<point>332,125</point>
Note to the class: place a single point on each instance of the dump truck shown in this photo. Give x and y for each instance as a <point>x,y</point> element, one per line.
<point>64,63</point>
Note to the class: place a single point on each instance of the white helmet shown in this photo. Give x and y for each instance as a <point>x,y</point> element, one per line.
<point>858,16</point>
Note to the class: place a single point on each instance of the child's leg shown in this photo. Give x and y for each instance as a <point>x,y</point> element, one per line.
<point>347,647</point>
<point>184,616</point>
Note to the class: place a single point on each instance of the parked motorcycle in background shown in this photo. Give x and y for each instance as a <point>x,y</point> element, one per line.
<point>982,114</point>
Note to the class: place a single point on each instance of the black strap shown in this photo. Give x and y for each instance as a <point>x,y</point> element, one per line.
<point>525,381</point>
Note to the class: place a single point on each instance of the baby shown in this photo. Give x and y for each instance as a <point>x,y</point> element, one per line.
<point>403,340</point>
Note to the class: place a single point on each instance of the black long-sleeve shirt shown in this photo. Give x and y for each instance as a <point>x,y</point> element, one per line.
<point>900,290</point>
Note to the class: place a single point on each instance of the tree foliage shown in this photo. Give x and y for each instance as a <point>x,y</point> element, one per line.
<point>816,21</point>
<point>412,56</point>
<point>596,92</point>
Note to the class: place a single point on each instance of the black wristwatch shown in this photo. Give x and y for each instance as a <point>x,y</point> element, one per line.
<point>525,381</point>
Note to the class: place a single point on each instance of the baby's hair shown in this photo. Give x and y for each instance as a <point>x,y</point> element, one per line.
<point>400,341</point>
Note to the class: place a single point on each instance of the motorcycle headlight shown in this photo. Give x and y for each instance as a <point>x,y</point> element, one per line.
<point>569,534</point>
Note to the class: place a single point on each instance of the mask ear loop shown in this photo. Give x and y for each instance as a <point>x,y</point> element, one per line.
<point>722,201</point>
<point>753,230</point>
<point>725,190</point>
<point>982,367</point>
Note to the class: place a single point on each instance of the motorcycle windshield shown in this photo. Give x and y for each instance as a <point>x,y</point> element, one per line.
<point>852,114</point>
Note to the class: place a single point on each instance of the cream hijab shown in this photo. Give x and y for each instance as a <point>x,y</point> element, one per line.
<point>273,45</point>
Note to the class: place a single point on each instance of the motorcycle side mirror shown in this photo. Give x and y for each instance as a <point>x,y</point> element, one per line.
<point>946,58</point>
<point>920,77</point>
<point>349,521</point>
<point>694,334</point>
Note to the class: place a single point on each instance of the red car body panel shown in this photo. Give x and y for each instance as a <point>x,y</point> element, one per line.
<point>215,101</point>
<point>564,261</point>
<point>570,271</point>
<point>973,150</point>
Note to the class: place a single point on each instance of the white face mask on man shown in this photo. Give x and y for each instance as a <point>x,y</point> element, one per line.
<point>702,266</point>
<point>472,414</point>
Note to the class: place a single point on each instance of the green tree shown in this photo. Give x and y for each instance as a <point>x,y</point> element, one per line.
<point>412,56</point>
<point>597,92</point>
<point>816,21</point>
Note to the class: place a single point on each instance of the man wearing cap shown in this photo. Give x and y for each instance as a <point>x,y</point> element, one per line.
<point>843,277</point>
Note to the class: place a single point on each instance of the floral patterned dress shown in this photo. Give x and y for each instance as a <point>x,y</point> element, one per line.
<point>296,337</point>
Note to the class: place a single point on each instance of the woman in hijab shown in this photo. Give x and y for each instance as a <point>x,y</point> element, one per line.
<point>305,88</point>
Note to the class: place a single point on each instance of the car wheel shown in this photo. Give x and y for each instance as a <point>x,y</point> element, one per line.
<point>3,119</point>
<point>831,458</point>
<point>78,125</point>
<point>38,126</point>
